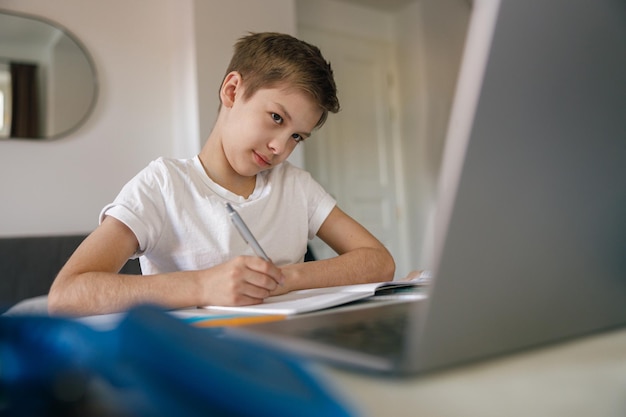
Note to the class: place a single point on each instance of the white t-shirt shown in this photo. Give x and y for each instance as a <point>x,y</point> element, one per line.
<point>181,223</point>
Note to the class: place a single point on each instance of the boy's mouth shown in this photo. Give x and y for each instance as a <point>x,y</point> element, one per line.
<point>261,160</point>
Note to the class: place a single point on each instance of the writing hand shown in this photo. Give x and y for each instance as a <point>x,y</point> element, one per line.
<point>244,280</point>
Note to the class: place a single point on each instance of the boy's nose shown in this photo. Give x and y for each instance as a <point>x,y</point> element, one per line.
<point>278,145</point>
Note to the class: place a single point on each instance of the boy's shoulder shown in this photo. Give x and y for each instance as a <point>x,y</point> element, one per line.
<point>286,168</point>
<point>168,164</point>
<point>171,162</point>
<point>167,170</point>
<point>289,176</point>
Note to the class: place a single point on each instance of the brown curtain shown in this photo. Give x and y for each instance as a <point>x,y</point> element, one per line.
<point>25,120</point>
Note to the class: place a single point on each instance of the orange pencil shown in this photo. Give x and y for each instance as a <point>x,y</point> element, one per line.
<point>238,321</point>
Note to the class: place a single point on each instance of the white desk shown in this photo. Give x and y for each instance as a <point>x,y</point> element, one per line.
<point>585,377</point>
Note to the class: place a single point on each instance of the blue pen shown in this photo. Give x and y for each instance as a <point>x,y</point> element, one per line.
<point>245,233</point>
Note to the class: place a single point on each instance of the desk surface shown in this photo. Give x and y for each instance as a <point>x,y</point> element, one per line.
<point>585,377</point>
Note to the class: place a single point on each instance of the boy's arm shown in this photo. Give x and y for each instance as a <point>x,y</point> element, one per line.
<point>362,258</point>
<point>89,283</point>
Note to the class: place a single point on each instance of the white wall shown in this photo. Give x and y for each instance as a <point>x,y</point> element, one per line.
<point>149,104</point>
<point>431,36</point>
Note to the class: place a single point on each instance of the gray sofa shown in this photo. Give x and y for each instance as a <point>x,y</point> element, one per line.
<point>28,265</point>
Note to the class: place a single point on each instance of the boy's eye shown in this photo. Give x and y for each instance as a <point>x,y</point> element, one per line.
<point>277,118</point>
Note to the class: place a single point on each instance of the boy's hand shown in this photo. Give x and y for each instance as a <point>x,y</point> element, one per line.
<point>244,280</point>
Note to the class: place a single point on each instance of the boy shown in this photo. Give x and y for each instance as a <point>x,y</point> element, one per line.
<point>276,91</point>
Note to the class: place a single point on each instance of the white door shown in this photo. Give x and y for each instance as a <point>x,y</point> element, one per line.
<point>354,155</point>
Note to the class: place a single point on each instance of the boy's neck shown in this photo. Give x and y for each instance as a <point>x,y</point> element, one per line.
<point>217,170</point>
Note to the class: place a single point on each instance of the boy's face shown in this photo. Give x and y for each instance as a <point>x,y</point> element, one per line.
<point>262,131</point>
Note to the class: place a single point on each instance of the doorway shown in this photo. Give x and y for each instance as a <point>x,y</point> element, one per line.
<point>356,156</point>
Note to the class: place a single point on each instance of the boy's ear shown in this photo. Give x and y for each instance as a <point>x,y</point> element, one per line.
<point>230,86</point>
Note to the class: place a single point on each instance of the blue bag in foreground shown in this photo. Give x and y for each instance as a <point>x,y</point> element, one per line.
<point>151,364</point>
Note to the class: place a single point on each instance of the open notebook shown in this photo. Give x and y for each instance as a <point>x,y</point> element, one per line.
<point>306,301</point>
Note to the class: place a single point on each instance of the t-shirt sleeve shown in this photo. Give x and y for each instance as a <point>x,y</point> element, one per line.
<point>320,204</point>
<point>140,206</point>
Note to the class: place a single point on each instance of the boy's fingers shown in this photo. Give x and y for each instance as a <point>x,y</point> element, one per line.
<point>268,269</point>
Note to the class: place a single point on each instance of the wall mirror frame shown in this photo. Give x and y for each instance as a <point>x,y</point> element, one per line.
<point>48,79</point>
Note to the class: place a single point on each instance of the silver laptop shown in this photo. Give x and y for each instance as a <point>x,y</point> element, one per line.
<point>531,232</point>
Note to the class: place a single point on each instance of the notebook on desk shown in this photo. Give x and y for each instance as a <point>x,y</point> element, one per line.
<point>531,229</point>
<point>317,299</point>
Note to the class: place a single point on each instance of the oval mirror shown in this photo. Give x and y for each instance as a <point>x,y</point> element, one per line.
<point>48,81</point>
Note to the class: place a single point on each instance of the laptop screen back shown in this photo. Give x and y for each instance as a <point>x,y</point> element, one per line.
<point>532,215</point>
